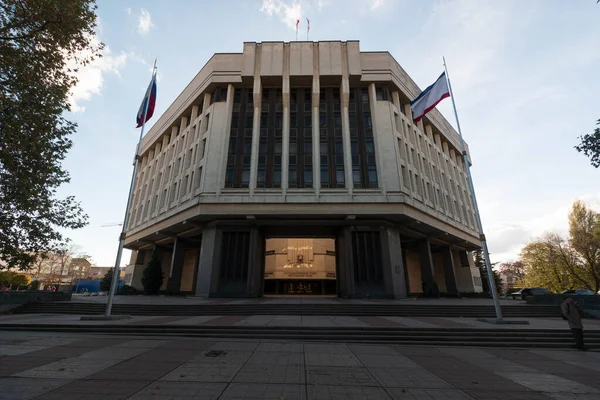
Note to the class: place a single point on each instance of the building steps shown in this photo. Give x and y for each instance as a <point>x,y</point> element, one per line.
<point>527,338</point>
<point>472,311</point>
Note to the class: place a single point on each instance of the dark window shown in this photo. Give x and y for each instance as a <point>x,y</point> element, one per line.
<point>220,94</point>
<point>331,145</point>
<point>271,140</point>
<point>362,145</point>
<point>237,174</point>
<point>300,160</point>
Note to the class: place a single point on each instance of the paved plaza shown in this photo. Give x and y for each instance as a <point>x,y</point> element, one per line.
<point>75,366</point>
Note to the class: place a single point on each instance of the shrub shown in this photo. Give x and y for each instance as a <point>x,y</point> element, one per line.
<point>127,290</point>
<point>153,276</point>
<point>106,281</point>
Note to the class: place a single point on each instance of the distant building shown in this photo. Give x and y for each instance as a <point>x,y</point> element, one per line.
<point>296,168</point>
<point>98,272</point>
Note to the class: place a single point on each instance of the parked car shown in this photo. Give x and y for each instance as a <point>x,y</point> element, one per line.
<point>533,292</point>
<point>579,292</point>
<point>516,295</point>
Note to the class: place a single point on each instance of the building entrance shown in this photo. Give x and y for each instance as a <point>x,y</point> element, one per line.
<point>300,266</point>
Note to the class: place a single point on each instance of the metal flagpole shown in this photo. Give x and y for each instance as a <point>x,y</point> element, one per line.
<point>486,255</point>
<point>115,279</point>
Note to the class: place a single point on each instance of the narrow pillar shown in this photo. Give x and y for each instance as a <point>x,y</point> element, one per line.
<point>285,93</point>
<point>449,274</point>
<point>393,263</point>
<point>206,261</point>
<point>176,272</point>
<point>430,288</point>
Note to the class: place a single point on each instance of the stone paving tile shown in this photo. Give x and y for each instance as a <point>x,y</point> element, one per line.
<point>348,321</point>
<point>386,361</point>
<point>572,396</point>
<point>428,394</point>
<point>488,361</point>
<point>418,351</point>
<point>239,346</point>
<point>23,389</point>
<point>96,390</point>
<point>191,344</point>
<point>317,321</point>
<point>408,378</point>
<point>82,366</point>
<point>132,370</point>
<point>280,347</point>
<point>548,383</point>
<point>255,320</point>
<point>340,376</point>
<point>18,349</point>
<point>327,349</point>
<point>271,373</point>
<point>332,360</point>
<point>51,341</point>
<point>411,322</point>
<point>286,320</point>
<point>576,358</point>
<point>193,320</point>
<point>317,392</point>
<point>505,395</point>
<point>371,349</point>
<point>173,355</point>
<point>143,343</point>
<point>180,391</point>
<point>226,320</point>
<point>259,391</point>
<point>203,373</point>
<point>208,357</point>
<point>380,322</point>
<point>273,358</point>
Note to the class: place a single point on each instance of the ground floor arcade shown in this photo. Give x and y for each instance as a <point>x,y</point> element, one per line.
<point>368,260</point>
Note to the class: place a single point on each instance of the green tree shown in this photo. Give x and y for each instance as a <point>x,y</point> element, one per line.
<point>106,281</point>
<point>42,44</point>
<point>557,263</point>
<point>590,146</point>
<point>21,280</point>
<point>153,276</point>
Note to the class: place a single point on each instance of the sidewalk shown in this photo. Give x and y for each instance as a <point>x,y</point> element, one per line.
<point>73,367</point>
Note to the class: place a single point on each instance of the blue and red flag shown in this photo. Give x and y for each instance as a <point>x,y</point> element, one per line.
<point>147,104</point>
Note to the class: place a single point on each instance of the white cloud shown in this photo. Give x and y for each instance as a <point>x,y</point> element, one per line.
<point>288,13</point>
<point>144,22</point>
<point>507,238</point>
<point>128,10</point>
<point>91,77</point>
<point>375,4</point>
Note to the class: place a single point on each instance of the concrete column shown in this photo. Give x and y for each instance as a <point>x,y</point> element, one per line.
<point>176,272</point>
<point>393,266</point>
<point>345,272</point>
<point>207,261</point>
<point>345,98</point>
<point>430,288</point>
<point>257,97</point>
<point>449,275</point>
<point>382,183</point>
<point>285,93</point>
<point>315,122</point>
<point>256,265</point>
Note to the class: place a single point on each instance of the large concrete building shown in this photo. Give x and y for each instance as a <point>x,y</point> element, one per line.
<point>296,168</point>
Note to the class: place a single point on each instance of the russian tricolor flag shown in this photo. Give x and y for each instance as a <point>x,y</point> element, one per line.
<point>148,103</point>
<point>429,98</point>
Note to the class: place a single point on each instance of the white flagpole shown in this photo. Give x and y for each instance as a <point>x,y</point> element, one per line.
<point>486,255</point>
<point>115,280</point>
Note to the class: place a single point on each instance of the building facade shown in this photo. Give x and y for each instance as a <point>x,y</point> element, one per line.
<point>296,168</point>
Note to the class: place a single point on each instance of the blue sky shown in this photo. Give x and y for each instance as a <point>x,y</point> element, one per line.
<point>524,73</point>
